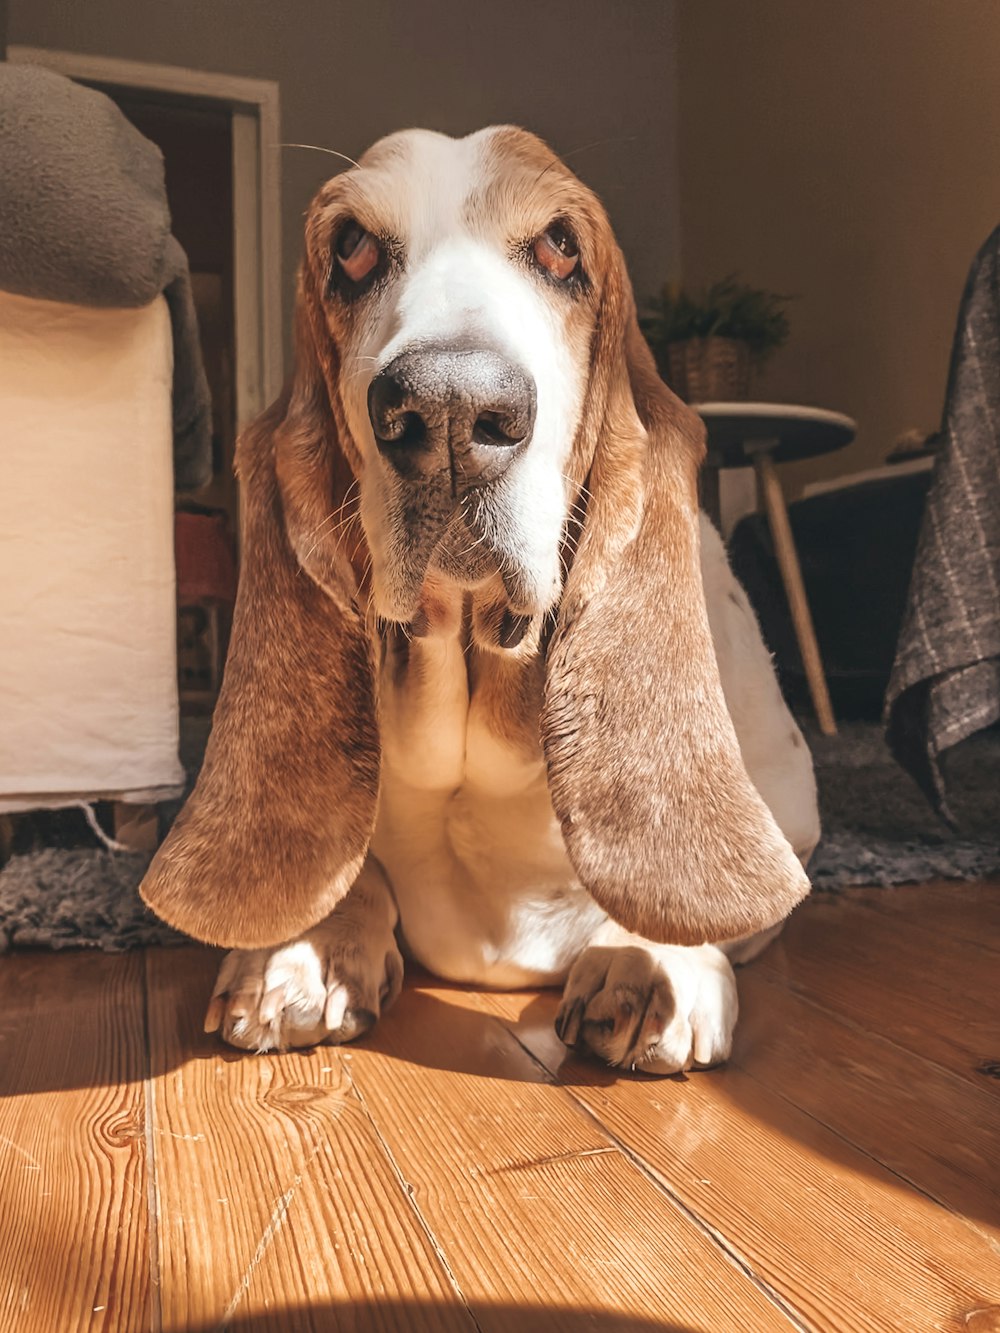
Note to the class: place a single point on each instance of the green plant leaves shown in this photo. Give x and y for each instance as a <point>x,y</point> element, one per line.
<point>728,308</point>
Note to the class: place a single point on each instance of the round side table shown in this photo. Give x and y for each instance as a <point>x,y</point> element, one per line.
<point>759,435</point>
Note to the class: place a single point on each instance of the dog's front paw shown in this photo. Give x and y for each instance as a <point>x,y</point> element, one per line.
<point>329,986</point>
<point>653,1008</point>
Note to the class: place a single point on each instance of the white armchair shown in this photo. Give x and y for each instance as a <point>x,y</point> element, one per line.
<point>88,680</point>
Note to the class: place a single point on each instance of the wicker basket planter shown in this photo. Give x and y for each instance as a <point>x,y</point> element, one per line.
<point>709,370</point>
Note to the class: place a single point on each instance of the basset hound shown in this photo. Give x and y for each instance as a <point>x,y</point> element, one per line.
<point>494,699</point>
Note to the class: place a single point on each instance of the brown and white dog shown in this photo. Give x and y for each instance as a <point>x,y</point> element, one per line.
<point>473,709</point>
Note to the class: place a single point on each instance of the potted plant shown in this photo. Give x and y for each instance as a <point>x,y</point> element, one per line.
<point>708,343</point>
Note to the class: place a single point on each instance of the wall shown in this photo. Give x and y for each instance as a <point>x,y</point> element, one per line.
<point>595,79</point>
<point>846,152</point>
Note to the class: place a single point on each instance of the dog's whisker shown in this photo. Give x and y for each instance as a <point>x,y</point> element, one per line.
<point>584,148</point>
<point>471,547</point>
<point>317,148</point>
<point>319,533</point>
<point>317,529</point>
<point>323,523</point>
<point>344,523</point>
<point>334,513</point>
<point>356,372</point>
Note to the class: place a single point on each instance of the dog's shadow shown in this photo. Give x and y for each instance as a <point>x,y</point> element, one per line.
<point>508,1036</point>
<point>94,1021</point>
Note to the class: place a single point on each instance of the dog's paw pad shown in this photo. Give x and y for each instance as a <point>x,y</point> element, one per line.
<point>321,988</point>
<point>650,1008</point>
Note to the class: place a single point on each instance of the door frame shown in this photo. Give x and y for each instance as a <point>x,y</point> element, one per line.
<point>257,269</point>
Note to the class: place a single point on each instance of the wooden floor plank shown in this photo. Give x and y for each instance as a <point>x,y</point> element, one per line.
<point>932,1128</point>
<point>278,1208</point>
<point>963,912</point>
<point>544,1223</point>
<point>848,1245</point>
<point>456,1172</point>
<point>74,1243</point>
<point>935,995</point>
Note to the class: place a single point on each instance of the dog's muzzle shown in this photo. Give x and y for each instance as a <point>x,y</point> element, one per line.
<point>467,411</point>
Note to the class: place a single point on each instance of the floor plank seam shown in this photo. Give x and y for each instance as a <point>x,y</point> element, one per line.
<point>961,1081</point>
<point>969,1077</point>
<point>152,1185</point>
<point>993,1243</point>
<point>663,1186</point>
<point>913,922</point>
<point>407,1189</point>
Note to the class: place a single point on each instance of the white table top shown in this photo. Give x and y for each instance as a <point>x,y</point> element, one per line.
<point>781,411</point>
<point>787,431</point>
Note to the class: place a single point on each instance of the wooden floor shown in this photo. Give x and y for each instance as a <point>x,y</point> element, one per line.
<point>458,1170</point>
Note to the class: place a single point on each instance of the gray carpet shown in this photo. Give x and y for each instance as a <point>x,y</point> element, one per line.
<point>65,898</point>
<point>877,830</point>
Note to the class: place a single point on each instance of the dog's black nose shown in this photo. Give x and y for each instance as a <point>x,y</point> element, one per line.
<point>465,408</point>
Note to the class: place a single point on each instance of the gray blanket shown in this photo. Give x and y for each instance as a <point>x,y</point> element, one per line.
<point>84,220</point>
<point>945,683</point>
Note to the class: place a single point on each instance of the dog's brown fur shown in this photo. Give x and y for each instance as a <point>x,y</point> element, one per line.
<point>661,821</point>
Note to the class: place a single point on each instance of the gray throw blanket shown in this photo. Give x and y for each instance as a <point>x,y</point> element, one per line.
<point>84,220</point>
<point>945,683</point>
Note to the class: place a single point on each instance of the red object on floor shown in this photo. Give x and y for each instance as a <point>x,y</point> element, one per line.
<point>203,554</point>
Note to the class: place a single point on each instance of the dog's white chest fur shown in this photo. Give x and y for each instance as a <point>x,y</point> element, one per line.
<point>466,830</point>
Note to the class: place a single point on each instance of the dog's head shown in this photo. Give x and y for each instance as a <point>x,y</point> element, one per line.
<point>473,403</point>
<point>453,291</point>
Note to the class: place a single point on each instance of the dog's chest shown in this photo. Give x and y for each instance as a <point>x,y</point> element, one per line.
<point>455,718</point>
<point>466,829</point>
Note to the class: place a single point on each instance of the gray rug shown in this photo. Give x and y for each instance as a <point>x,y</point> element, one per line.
<point>65,898</point>
<point>877,830</point>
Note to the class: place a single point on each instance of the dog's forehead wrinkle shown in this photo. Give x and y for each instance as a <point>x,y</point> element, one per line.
<point>412,185</point>
<point>440,174</point>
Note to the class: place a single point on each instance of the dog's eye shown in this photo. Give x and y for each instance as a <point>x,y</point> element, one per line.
<point>557,252</point>
<point>357,251</point>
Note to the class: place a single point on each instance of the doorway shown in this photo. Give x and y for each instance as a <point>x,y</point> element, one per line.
<point>219,138</point>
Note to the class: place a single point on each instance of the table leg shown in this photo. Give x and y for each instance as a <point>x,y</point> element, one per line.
<point>136,826</point>
<point>791,574</point>
<point>709,493</point>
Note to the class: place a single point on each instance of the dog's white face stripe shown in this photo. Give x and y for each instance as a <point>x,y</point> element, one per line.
<point>458,285</point>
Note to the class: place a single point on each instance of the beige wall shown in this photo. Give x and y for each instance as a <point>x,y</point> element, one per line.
<point>593,77</point>
<point>848,152</point>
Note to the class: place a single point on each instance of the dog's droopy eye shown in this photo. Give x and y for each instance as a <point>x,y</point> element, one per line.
<point>357,251</point>
<point>557,252</point>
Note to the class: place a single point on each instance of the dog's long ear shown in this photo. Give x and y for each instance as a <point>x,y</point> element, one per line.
<point>278,825</point>
<point>660,818</point>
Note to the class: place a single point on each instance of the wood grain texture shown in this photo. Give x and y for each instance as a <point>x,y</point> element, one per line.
<point>278,1208</point>
<point>848,1245</point>
<point>74,1239</point>
<point>543,1219</point>
<point>458,1170</point>
<point>930,1127</point>
<point>931,992</point>
<point>960,912</point>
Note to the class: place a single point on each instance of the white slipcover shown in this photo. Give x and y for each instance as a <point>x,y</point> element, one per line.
<point>88,667</point>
